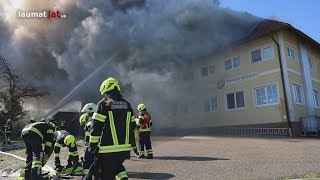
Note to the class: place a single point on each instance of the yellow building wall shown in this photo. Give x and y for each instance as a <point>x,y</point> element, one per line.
<point>294,77</point>
<point>207,87</point>
<point>315,70</point>
<point>291,39</point>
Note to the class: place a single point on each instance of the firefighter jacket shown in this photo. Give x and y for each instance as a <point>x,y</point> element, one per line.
<point>8,128</point>
<point>143,121</point>
<point>59,138</point>
<point>44,131</point>
<point>112,129</point>
<point>87,128</point>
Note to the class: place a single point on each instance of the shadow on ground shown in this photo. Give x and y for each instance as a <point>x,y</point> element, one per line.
<point>149,175</point>
<point>189,158</point>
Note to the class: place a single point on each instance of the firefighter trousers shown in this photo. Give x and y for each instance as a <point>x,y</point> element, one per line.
<point>88,163</point>
<point>145,146</point>
<point>8,140</point>
<point>110,169</point>
<point>34,156</point>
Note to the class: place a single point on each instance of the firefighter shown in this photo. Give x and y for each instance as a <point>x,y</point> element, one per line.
<point>34,135</point>
<point>63,125</point>
<point>8,131</point>
<point>43,119</point>
<point>64,139</point>
<point>111,131</point>
<point>32,120</point>
<point>2,106</point>
<point>134,140</point>
<point>144,124</point>
<point>86,120</point>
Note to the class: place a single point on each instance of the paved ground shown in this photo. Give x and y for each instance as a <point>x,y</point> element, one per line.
<point>228,158</point>
<point>221,158</point>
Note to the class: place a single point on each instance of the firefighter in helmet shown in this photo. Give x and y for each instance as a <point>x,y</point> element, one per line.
<point>43,119</point>
<point>32,120</point>
<point>64,139</point>
<point>3,106</point>
<point>111,131</point>
<point>8,131</point>
<point>34,135</point>
<point>144,124</point>
<point>86,120</point>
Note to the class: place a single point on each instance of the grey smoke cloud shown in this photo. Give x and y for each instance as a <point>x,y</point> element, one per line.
<point>164,36</point>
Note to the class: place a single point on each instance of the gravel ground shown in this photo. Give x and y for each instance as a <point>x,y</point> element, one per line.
<point>226,158</point>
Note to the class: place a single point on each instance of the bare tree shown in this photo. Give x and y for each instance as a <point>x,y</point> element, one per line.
<point>14,91</point>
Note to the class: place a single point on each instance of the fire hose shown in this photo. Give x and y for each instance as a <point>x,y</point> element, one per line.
<point>47,167</point>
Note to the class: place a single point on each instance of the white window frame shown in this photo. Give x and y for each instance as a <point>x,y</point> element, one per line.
<point>202,71</point>
<point>294,93</point>
<point>226,100</point>
<point>262,58</point>
<point>232,63</point>
<point>215,69</point>
<point>210,108</point>
<point>294,50</point>
<point>314,97</point>
<point>188,76</point>
<point>188,106</point>
<point>265,86</point>
<point>311,63</point>
<point>208,70</point>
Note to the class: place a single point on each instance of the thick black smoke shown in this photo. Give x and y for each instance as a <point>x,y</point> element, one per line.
<point>152,43</point>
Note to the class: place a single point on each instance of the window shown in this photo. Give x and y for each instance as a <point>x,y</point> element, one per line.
<point>267,95</point>
<point>233,63</point>
<point>188,76</point>
<point>291,52</point>
<point>205,72</point>
<point>262,54</point>
<point>208,70</point>
<point>212,69</point>
<point>297,93</point>
<point>187,107</point>
<point>310,61</point>
<point>316,98</point>
<point>211,104</point>
<point>235,100</point>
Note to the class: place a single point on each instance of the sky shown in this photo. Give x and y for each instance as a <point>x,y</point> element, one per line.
<point>301,14</point>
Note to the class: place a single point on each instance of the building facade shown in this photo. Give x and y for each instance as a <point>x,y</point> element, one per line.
<point>269,79</point>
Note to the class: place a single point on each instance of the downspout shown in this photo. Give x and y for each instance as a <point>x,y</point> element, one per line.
<point>284,88</point>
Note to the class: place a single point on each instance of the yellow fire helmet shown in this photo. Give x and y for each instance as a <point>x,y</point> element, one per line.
<point>2,107</point>
<point>68,140</point>
<point>141,107</point>
<point>83,118</point>
<point>89,108</point>
<point>108,85</point>
<point>43,119</point>
<point>33,119</point>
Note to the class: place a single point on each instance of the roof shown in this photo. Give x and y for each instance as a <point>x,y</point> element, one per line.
<point>268,27</point>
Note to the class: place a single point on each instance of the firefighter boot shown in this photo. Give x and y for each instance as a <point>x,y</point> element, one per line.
<point>136,152</point>
<point>59,168</point>
<point>149,156</point>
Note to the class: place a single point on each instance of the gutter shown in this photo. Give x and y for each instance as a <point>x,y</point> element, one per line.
<point>284,88</point>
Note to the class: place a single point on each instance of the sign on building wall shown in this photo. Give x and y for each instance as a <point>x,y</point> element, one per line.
<point>242,78</point>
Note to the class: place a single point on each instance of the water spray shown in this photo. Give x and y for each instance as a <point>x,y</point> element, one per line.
<point>66,98</point>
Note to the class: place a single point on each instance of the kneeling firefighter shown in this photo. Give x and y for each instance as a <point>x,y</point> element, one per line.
<point>86,120</point>
<point>111,131</point>
<point>34,135</point>
<point>64,139</point>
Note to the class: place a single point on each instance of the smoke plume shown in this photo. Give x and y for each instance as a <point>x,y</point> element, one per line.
<point>162,36</point>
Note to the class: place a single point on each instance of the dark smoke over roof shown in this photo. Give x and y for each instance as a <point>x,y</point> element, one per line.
<point>162,36</point>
